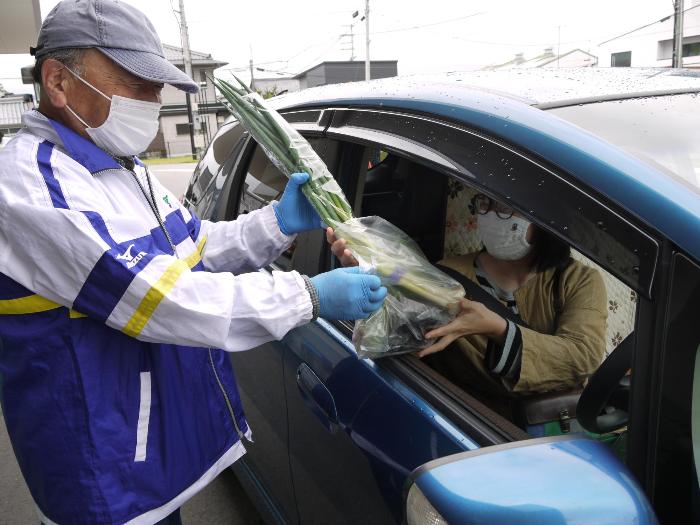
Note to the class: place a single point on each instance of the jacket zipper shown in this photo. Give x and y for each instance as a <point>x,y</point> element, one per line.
<point>226,398</point>
<point>154,209</point>
<point>152,205</point>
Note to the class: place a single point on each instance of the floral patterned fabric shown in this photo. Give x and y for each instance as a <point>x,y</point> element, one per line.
<point>461,237</point>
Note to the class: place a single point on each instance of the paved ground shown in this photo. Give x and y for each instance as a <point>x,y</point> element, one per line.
<point>223,502</point>
<point>174,176</point>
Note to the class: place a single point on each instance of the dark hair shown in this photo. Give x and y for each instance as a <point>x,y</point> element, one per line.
<point>73,58</point>
<point>549,251</point>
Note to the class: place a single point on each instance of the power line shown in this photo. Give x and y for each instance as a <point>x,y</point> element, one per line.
<point>513,44</point>
<point>647,25</point>
<point>177,20</point>
<point>328,50</point>
<point>285,61</point>
<point>333,41</point>
<point>411,28</point>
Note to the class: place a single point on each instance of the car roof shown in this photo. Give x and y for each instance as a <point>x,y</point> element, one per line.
<point>540,87</point>
<point>507,105</point>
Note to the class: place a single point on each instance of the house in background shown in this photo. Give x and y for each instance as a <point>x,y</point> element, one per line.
<point>335,72</point>
<point>11,109</point>
<point>19,25</point>
<point>652,46</point>
<point>173,138</point>
<point>548,59</point>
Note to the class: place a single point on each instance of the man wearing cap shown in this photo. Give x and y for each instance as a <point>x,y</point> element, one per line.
<point>115,300</point>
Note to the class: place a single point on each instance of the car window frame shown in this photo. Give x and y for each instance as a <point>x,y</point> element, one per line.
<point>305,122</point>
<point>404,367</point>
<point>408,368</point>
<point>341,125</point>
<point>649,397</point>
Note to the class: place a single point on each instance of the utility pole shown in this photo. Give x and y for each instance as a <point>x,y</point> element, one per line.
<point>352,42</point>
<point>558,44</point>
<point>367,73</point>
<point>187,57</point>
<point>351,34</point>
<point>250,63</point>
<point>677,60</point>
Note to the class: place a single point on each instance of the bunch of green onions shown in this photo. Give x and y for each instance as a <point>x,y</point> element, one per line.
<point>266,126</point>
<point>291,153</point>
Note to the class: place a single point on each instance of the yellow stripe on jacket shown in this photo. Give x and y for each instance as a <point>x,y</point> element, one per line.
<point>32,304</point>
<point>153,297</point>
<point>194,259</point>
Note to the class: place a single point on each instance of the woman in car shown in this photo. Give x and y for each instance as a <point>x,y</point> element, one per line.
<point>555,337</point>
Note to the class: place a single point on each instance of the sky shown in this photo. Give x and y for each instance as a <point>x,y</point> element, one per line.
<point>425,37</point>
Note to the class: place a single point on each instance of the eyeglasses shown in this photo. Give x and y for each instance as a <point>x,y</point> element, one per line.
<point>481,205</point>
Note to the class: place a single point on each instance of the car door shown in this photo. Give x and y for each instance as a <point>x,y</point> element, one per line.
<point>674,443</point>
<point>358,427</point>
<point>318,366</point>
<point>230,179</point>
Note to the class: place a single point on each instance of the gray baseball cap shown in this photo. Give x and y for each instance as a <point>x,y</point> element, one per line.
<point>120,31</point>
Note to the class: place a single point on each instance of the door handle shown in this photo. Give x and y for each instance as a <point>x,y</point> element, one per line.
<point>317,397</point>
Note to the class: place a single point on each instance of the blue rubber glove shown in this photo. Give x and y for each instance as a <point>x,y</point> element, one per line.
<point>293,211</point>
<point>348,293</point>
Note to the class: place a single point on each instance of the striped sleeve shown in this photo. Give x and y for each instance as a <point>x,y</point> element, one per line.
<point>505,360</point>
<point>70,258</point>
<point>251,241</point>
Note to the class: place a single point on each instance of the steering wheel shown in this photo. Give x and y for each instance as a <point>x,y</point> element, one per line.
<point>604,403</point>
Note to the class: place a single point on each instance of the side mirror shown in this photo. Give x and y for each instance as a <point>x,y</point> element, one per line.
<point>553,480</point>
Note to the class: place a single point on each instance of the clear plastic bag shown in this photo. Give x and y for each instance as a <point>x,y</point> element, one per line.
<point>420,297</point>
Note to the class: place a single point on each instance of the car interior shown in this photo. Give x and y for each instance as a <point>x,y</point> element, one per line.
<point>433,209</point>
<point>449,221</point>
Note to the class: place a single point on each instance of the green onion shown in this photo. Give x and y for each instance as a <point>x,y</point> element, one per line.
<point>292,153</point>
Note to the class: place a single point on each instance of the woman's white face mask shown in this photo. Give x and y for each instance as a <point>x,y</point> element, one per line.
<point>130,127</point>
<point>505,239</point>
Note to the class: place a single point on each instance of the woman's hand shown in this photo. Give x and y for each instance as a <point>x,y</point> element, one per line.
<point>473,318</point>
<point>339,249</point>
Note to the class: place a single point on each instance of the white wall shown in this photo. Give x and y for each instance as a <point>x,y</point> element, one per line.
<point>645,47</point>
<point>290,84</point>
<point>173,95</point>
<point>177,145</point>
<point>575,59</point>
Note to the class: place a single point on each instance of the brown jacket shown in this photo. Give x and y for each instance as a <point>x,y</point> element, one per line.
<point>551,360</point>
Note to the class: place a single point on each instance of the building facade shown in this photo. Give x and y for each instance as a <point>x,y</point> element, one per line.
<point>548,59</point>
<point>11,109</point>
<point>336,72</point>
<point>652,46</point>
<point>174,135</point>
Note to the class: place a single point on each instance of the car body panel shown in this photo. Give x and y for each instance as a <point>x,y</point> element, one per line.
<point>649,194</point>
<point>340,434</point>
<point>545,481</point>
<point>378,436</point>
<point>264,398</point>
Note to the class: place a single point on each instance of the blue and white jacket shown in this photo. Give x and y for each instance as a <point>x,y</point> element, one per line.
<point>117,400</point>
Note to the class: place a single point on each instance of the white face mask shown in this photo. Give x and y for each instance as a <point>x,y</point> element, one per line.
<point>130,127</point>
<point>505,239</point>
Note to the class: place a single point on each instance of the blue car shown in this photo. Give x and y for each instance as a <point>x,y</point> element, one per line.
<point>606,160</point>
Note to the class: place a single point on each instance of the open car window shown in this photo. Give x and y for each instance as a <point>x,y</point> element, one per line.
<point>264,183</point>
<point>434,209</point>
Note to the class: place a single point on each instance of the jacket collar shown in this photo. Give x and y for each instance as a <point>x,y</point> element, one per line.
<point>87,154</point>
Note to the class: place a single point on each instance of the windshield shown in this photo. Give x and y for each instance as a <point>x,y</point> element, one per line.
<point>661,131</point>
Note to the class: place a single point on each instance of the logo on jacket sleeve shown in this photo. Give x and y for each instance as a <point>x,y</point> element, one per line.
<point>131,260</point>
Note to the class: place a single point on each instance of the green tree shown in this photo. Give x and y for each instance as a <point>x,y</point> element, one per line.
<point>269,92</point>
